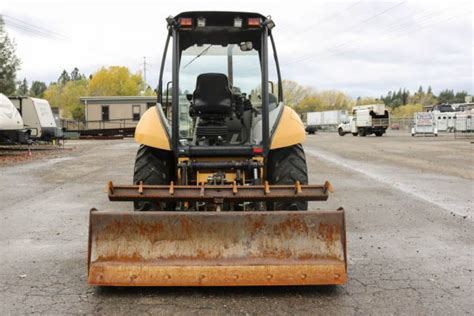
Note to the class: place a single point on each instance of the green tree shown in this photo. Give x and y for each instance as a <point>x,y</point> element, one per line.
<point>78,112</point>
<point>9,62</point>
<point>460,97</point>
<point>37,89</point>
<point>446,96</point>
<point>367,100</point>
<point>64,77</point>
<point>22,87</point>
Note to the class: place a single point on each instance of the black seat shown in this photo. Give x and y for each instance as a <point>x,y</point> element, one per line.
<point>212,97</point>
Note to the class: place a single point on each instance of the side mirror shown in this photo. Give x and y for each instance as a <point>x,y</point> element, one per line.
<point>189,97</point>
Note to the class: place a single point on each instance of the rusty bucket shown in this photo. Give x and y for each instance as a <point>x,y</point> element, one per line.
<point>217,248</point>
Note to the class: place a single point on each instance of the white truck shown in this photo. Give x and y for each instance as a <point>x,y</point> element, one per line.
<point>424,123</point>
<point>366,120</point>
<point>324,120</point>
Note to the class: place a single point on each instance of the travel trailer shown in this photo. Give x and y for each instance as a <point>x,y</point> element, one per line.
<point>11,123</point>
<point>37,117</point>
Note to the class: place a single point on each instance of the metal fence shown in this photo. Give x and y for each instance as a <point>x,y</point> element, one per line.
<point>72,125</point>
<point>401,123</point>
<point>464,126</point>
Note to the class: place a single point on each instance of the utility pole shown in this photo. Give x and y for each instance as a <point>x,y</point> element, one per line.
<point>144,70</point>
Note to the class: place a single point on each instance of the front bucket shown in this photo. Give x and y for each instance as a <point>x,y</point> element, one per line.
<point>217,248</point>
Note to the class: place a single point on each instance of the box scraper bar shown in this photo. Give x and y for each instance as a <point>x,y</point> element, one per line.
<point>211,193</point>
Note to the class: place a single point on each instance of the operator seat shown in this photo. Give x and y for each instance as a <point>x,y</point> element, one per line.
<point>212,97</point>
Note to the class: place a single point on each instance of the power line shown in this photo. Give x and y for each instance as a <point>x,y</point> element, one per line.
<point>328,18</point>
<point>392,29</point>
<point>144,69</point>
<point>306,57</point>
<point>406,34</point>
<point>392,37</point>
<point>40,28</point>
<point>31,29</point>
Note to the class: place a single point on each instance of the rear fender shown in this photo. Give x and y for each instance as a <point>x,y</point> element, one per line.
<point>153,130</point>
<point>289,130</point>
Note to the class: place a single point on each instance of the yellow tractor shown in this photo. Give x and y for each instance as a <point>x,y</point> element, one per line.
<point>220,185</point>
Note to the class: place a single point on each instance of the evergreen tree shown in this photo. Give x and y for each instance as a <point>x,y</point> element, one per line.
<point>75,75</point>
<point>9,63</point>
<point>406,97</point>
<point>22,87</point>
<point>460,97</point>
<point>446,96</point>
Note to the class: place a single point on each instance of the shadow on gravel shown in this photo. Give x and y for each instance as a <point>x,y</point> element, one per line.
<point>234,292</point>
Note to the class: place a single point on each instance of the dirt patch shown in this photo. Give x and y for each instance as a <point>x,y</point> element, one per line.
<point>10,155</point>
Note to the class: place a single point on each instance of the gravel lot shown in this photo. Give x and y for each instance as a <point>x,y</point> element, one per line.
<point>410,230</point>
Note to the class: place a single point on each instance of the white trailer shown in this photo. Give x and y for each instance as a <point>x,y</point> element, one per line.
<point>324,120</point>
<point>424,123</point>
<point>313,120</point>
<point>37,117</point>
<point>366,120</point>
<point>11,124</point>
<point>445,121</point>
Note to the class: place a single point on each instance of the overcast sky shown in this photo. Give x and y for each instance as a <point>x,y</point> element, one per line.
<point>363,48</point>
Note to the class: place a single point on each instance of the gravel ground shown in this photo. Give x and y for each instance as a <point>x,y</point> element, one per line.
<point>410,231</point>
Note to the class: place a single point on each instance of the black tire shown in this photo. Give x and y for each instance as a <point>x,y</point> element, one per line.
<point>341,132</point>
<point>362,132</point>
<point>355,134</point>
<point>153,166</point>
<point>378,134</point>
<point>286,166</point>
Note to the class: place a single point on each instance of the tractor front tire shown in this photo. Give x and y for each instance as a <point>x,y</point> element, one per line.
<point>341,132</point>
<point>156,167</point>
<point>286,166</point>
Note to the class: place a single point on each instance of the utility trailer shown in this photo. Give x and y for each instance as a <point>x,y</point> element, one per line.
<point>445,121</point>
<point>424,123</point>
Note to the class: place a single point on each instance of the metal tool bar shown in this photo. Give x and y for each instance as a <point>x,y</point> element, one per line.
<point>212,193</point>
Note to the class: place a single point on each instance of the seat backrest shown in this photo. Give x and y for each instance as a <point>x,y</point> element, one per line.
<point>212,95</point>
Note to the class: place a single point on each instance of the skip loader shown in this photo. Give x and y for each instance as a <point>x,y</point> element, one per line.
<point>220,187</point>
